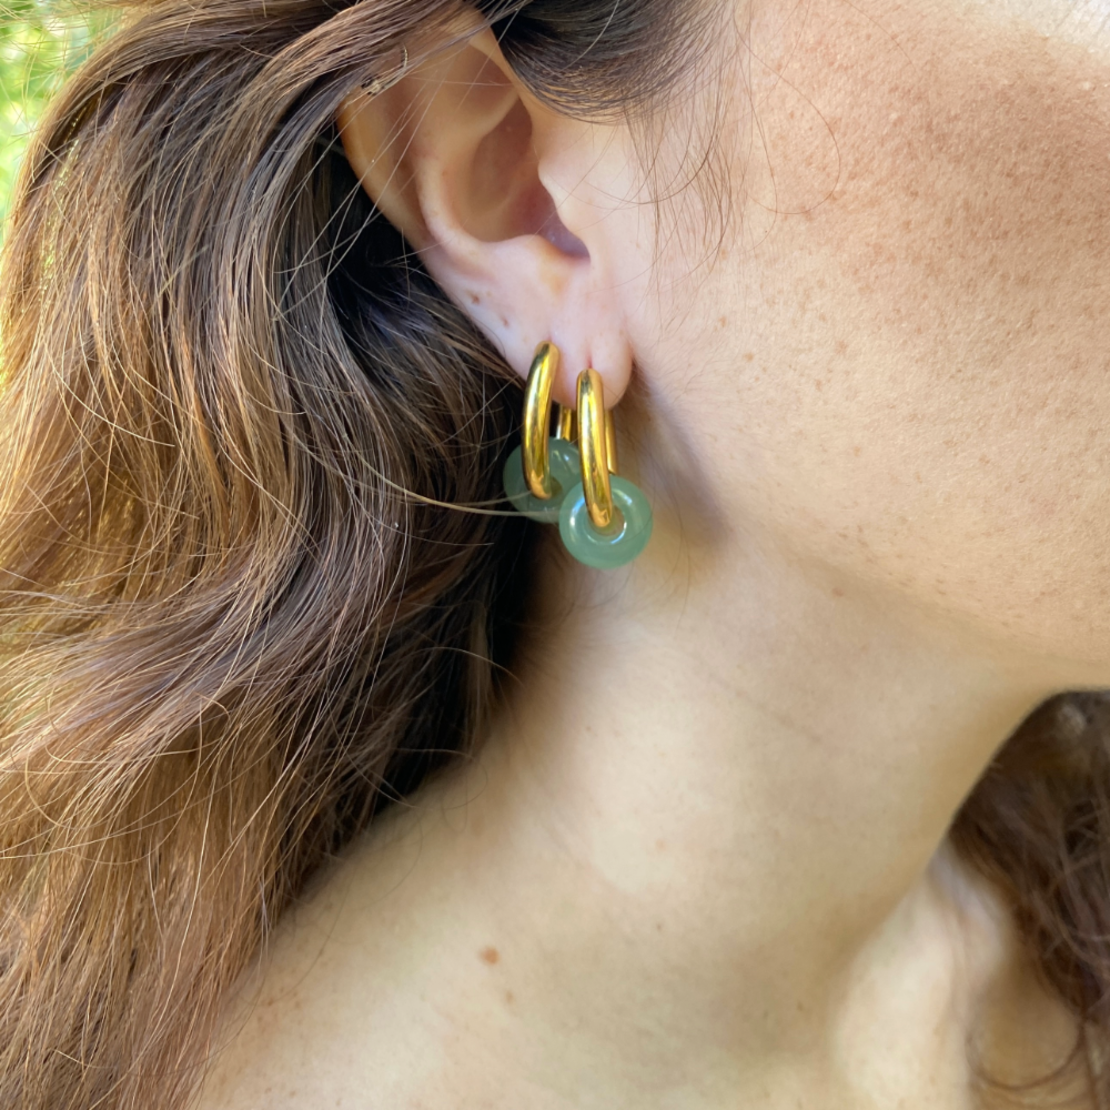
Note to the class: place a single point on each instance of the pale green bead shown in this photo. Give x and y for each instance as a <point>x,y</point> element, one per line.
<point>629,536</point>
<point>566,473</point>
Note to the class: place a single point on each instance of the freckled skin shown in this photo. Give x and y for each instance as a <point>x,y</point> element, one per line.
<point>925,205</point>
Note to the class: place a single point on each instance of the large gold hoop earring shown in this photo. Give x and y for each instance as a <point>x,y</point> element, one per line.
<point>542,469</point>
<point>593,447</point>
<point>608,522</point>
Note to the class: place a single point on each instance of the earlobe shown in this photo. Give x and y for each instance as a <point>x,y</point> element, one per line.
<point>454,156</point>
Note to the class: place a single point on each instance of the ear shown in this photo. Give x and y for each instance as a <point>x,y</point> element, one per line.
<point>505,201</point>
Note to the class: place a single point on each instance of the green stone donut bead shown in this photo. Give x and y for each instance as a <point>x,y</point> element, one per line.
<point>566,472</point>
<point>606,550</point>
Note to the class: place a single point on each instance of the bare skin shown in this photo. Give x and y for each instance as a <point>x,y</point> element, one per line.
<point>700,860</point>
<point>617,907</point>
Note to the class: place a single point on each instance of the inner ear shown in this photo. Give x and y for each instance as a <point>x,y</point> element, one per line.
<point>505,197</point>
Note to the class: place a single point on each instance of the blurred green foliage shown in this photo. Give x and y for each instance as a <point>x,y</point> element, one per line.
<point>41,41</point>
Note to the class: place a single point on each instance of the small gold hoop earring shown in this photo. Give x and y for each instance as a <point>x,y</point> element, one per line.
<point>380,85</point>
<point>609,522</point>
<point>566,426</point>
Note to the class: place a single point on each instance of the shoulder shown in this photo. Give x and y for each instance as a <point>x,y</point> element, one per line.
<point>361,999</point>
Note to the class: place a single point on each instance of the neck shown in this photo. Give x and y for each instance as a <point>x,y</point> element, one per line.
<point>698,862</point>
<point>727,781</point>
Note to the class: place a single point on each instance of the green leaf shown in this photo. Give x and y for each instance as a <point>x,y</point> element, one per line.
<point>41,43</point>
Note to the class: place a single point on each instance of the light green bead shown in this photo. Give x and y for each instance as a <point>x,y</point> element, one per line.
<point>566,473</point>
<point>628,538</point>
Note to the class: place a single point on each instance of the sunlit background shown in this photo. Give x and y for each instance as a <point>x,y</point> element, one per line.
<point>40,42</point>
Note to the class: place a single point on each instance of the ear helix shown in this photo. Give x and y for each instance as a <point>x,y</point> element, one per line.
<point>604,520</point>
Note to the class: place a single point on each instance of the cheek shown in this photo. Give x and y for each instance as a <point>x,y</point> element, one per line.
<point>919,356</point>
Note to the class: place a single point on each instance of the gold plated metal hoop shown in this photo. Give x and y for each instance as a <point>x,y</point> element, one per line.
<point>566,424</point>
<point>537,421</point>
<point>566,427</point>
<point>611,440</point>
<point>593,437</point>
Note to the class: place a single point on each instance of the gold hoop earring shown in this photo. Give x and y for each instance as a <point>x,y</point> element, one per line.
<point>609,521</point>
<point>593,447</point>
<point>535,446</point>
<point>542,469</point>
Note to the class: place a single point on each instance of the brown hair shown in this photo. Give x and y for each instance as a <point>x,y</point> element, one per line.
<point>239,611</point>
